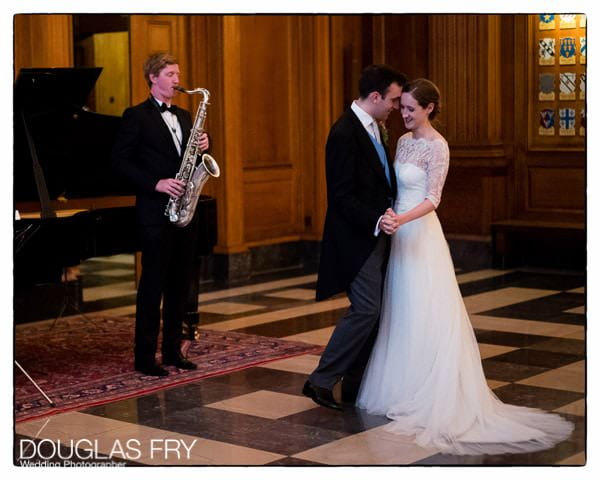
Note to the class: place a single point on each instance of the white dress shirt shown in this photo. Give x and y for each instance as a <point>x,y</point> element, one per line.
<point>173,124</point>
<point>367,121</point>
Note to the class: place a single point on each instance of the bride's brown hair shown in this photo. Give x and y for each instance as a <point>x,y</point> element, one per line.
<point>425,92</point>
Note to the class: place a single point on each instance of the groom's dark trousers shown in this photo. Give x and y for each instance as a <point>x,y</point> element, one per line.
<point>353,258</point>
<point>347,352</point>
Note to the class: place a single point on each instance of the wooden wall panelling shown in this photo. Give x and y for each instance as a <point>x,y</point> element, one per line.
<point>156,33</point>
<point>205,71</point>
<point>42,41</point>
<point>308,103</point>
<point>270,200</point>
<point>406,48</point>
<point>521,101</point>
<point>347,59</point>
<point>465,62</point>
<point>544,194</point>
<point>378,38</point>
<point>111,52</point>
<point>510,119</point>
<point>323,115</point>
<point>269,103</point>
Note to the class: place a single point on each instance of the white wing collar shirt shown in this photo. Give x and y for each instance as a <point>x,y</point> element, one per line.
<point>173,124</point>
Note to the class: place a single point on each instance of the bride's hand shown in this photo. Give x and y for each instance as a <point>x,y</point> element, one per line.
<point>392,220</point>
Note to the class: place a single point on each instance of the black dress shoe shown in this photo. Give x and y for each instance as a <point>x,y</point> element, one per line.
<point>179,362</point>
<point>349,397</point>
<point>320,395</point>
<point>349,394</point>
<point>152,370</point>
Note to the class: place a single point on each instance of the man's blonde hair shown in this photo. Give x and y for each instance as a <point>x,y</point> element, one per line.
<point>156,62</point>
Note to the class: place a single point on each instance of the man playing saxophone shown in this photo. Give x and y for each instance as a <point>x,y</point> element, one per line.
<point>148,152</point>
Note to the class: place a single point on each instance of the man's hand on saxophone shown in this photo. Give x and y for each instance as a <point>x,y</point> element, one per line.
<point>171,186</point>
<point>176,188</point>
<point>204,143</point>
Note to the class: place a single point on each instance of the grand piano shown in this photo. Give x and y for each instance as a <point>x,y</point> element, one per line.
<point>71,206</point>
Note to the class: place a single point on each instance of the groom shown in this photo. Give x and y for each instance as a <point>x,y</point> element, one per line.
<point>361,186</point>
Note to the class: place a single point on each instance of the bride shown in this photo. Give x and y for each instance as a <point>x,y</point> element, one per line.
<point>425,370</point>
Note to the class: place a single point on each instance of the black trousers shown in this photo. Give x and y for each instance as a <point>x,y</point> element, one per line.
<point>168,270</point>
<point>348,350</point>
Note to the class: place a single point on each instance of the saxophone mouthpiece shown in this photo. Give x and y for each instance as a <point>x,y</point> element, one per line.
<point>179,88</point>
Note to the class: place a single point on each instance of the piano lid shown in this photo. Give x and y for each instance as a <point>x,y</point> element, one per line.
<point>72,144</point>
<point>54,88</point>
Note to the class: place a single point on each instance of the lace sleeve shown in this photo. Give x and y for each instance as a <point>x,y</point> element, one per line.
<point>437,169</point>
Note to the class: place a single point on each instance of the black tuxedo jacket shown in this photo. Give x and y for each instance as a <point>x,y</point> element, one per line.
<point>358,193</point>
<point>144,152</point>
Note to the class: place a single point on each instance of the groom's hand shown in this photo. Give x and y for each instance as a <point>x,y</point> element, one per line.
<point>389,222</point>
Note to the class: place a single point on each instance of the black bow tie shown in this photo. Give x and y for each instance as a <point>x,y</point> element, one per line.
<point>164,107</point>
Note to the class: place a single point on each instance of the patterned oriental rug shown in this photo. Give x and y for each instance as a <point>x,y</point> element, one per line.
<point>80,363</point>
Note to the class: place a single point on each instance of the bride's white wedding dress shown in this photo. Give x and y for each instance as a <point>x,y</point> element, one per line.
<point>425,370</point>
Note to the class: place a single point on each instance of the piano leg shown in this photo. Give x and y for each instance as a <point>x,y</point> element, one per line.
<point>52,404</point>
<point>68,300</point>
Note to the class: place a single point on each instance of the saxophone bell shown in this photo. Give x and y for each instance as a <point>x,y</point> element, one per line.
<point>210,164</point>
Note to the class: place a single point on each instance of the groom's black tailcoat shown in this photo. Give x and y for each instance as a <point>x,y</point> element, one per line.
<point>358,193</point>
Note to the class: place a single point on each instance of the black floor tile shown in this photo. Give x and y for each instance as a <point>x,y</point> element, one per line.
<point>547,309</point>
<point>293,326</point>
<point>561,345</point>
<point>275,436</point>
<point>549,281</point>
<point>537,358</point>
<point>106,303</point>
<point>270,303</point>
<point>352,420</point>
<point>536,397</point>
<point>94,265</point>
<point>509,372</point>
<point>179,398</point>
<point>253,379</point>
<point>508,339</point>
<point>97,280</point>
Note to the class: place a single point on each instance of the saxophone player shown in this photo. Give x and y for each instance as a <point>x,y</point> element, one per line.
<point>148,152</point>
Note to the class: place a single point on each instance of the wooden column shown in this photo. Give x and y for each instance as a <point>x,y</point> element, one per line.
<point>231,208</point>
<point>323,117</point>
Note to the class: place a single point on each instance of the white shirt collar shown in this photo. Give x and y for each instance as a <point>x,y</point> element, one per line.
<point>367,120</point>
<point>160,102</point>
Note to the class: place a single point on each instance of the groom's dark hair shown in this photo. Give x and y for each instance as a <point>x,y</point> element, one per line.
<point>378,78</point>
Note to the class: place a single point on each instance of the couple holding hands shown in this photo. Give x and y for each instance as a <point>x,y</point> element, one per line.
<point>405,348</point>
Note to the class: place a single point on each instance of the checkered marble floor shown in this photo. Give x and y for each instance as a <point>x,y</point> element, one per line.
<point>530,326</point>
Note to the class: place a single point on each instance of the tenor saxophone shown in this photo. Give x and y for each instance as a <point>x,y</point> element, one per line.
<point>181,210</point>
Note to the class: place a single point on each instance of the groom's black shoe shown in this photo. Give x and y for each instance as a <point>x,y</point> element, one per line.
<point>349,392</point>
<point>320,395</point>
<point>349,396</point>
